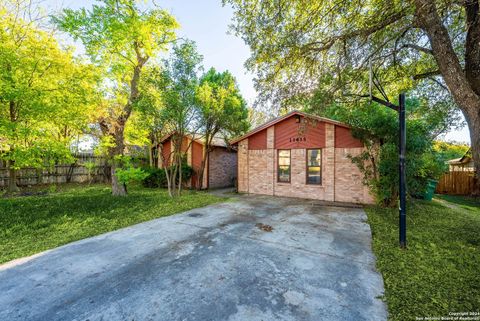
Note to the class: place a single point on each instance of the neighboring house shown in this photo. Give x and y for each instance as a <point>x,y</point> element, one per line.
<point>221,165</point>
<point>463,164</point>
<point>301,155</point>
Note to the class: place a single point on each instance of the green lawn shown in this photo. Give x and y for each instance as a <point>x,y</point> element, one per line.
<point>440,271</point>
<point>33,224</point>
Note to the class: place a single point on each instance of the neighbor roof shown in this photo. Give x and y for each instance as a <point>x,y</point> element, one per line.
<point>462,160</point>
<point>216,140</point>
<point>288,115</point>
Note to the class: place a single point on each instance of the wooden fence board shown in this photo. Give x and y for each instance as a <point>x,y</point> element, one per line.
<point>456,183</point>
<point>60,173</point>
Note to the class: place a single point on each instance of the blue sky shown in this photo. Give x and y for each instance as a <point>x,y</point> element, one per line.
<point>206,22</point>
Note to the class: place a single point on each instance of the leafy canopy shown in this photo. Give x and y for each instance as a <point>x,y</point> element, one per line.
<point>301,46</point>
<point>46,95</point>
<point>221,106</point>
<point>116,31</point>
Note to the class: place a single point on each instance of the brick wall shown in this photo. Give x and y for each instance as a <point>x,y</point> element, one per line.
<point>348,178</point>
<point>341,179</point>
<point>222,170</point>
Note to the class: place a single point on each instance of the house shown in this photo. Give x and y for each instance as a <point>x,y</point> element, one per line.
<point>463,164</point>
<point>301,155</point>
<point>221,165</point>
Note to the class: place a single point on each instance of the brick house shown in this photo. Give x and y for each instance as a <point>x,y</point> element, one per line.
<point>301,155</point>
<point>221,166</point>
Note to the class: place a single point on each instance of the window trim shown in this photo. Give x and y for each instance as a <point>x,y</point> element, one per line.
<point>306,166</point>
<point>290,165</point>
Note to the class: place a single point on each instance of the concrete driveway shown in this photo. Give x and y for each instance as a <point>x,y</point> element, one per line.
<point>213,263</point>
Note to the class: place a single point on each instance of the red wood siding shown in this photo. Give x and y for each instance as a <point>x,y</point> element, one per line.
<point>197,155</point>
<point>167,147</point>
<point>258,140</point>
<point>287,134</point>
<point>344,138</point>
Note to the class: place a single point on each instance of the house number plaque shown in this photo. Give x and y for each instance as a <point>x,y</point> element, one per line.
<point>298,139</point>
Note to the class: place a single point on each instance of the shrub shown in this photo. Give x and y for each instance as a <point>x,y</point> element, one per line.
<point>156,177</point>
<point>130,174</point>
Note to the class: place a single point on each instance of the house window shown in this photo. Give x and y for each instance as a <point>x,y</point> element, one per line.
<point>314,166</point>
<point>284,165</point>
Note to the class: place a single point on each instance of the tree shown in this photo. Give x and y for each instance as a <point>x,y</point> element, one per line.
<point>170,91</point>
<point>120,38</point>
<point>222,110</point>
<point>46,96</point>
<point>295,44</point>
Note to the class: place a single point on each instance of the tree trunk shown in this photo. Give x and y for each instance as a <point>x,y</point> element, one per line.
<point>118,188</point>
<point>206,151</point>
<point>12,178</point>
<point>474,127</point>
<point>201,170</point>
<point>461,86</point>
<point>12,173</point>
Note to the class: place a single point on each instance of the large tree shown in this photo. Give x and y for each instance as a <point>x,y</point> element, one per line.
<point>169,105</point>
<point>222,110</point>
<point>296,44</point>
<point>45,94</point>
<point>121,38</point>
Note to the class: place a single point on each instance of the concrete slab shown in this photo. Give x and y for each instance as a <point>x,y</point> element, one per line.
<point>211,263</point>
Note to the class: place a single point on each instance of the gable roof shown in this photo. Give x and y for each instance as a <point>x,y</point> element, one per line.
<point>216,141</point>
<point>281,118</point>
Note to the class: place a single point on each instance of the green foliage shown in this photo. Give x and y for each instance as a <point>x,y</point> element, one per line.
<point>298,47</point>
<point>127,172</point>
<point>221,106</point>
<point>377,127</point>
<point>114,32</point>
<point>445,151</point>
<point>156,177</point>
<point>120,38</point>
<point>438,272</point>
<point>90,166</point>
<point>130,174</point>
<point>46,95</point>
<point>173,85</point>
<point>177,81</point>
<point>29,225</point>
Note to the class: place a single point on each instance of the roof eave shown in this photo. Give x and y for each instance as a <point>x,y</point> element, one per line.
<point>279,119</point>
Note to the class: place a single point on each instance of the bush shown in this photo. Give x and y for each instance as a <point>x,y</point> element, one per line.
<point>130,174</point>
<point>156,177</point>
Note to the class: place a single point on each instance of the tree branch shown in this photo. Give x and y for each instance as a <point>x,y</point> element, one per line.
<point>427,74</point>
<point>417,47</point>
<point>364,32</point>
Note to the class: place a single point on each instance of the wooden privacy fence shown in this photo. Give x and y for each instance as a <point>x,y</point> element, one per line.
<point>456,183</point>
<point>75,172</point>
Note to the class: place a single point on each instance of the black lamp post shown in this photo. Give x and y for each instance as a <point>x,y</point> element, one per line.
<point>402,174</point>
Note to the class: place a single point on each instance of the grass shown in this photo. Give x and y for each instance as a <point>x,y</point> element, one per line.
<point>464,202</point>
<point>439,272</point>
<point>32,224</point>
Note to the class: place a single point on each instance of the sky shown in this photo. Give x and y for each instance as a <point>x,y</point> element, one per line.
<point>206,22</point>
